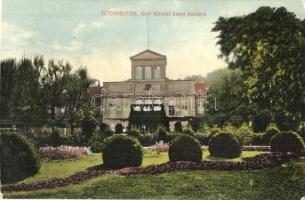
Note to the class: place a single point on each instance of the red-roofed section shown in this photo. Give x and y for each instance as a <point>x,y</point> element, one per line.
<point>201,88</point>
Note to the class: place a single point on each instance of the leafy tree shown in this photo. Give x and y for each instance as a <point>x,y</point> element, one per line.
<point>269,47</point>
<point>261,120</point>
<point>231,99</point>
<point>178,127</point>
<point>118,128</point>
<point>197,78</point>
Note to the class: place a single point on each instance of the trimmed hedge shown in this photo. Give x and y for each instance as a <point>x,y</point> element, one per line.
<point>185,148</point>
<point>270,132</point>
<point>19,157</point>
<point>287,141</point>
<point>122,151</point>
<point>147,139</point>
<point>224,145</point>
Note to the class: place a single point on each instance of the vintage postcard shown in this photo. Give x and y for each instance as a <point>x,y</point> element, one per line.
<point>151,99</point>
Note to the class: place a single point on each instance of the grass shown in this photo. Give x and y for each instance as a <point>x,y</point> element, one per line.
<point>282,182</point>
<point>64,168</point>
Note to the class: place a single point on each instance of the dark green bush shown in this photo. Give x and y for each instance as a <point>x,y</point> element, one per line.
<point>55,139</point>
<point>270,132</point>
<point>202,138</point>
<point>96,142</point>
<point>162,135</point>
<point>104,127</point>
<point>19,157</point>
<point>224,145</point>
<point>76,139</point>
<point>118,128</point>
<point>171,136</point>
<point>287,141</point>
<point>147,139</point>
<point>185,148</point>
<point>301,132</point>
<point>261,120</point>
<point>122,151</point>
<point>188,131</point>
<point>256,139</point>
<point>178,127</point>
<point>134,133</point>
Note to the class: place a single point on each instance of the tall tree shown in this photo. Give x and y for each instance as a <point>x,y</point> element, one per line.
<point>269,47</point>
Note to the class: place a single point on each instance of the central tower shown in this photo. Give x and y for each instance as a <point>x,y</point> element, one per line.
<point>148,65</point>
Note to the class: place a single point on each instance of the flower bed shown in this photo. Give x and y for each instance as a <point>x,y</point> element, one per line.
<point>257,162</point>
<point>161,147</point>
<point>256,148</point>
<point>63,152</point>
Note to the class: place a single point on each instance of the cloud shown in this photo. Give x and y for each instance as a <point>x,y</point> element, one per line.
<point>87,26</point>
<point>72,46</point>
<point>14,34</point>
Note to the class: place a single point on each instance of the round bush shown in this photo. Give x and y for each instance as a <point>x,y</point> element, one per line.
<point>185,148</point>
<point>270,132</point>
<point>19,157</point>
<point>188,131</point>
<point>122,151</point>
<point>224,145</point>
<point>134,133</point>
<point>147,139</point>
<point>287,142</point>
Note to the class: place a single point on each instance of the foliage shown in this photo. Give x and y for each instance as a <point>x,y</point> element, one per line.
<point>178,127</point>
<point>185,148</point>
<point>227,87</point>
<point>188,131</point>
<point>75,139</point>
<point>261,45</point>
<point>55,139</point>
<point>162,135</point>
<point>88,125</point>
<point>287,141</point>
<point>19,157</point>
<point>97,141</point>
<point>224,145</point>
<point>203,138</point>
<point>63,152</point>
<point>118,129</point>
<point>122,151</point>
<point>261,120</point>
<point>104,127</point>
<point>134,133</point>
<point>147,139</point>
<point>270,132</point>
<point>196,123</point>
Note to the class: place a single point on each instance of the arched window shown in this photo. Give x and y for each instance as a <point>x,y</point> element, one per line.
<point>138,72</point>
<point>157,73</point>
<point>147,72</point>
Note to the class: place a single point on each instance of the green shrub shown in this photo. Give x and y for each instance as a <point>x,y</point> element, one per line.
<point>185,148</point>
<point>96,142</point>
<point>118,128</point>
<point>202,138</point>
<point>162,135</point>
<point>287,141</point>
<point>256,139</point>
<point>261,120</point>
<point>147,139</point>
<point>134,133</point>
<point>301,132</point>
<point>178,127</point>
<point>55,139</point>
<point>213,131</point>
<point>122,151</point>
<point>224,145</point>
<point>188,131</point>
<point>19,157</point>
<point>76,139</point>
<point>171,136</point>
<point>270,132</point>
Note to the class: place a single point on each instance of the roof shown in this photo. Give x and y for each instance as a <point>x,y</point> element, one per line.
<point>147,55</point>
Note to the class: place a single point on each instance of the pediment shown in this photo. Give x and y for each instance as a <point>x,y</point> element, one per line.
<point>147,54</point>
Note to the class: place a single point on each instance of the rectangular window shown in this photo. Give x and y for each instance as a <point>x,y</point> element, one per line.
<point>171,110</point>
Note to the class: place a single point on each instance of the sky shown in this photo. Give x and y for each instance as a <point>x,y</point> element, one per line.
<point>77,32</point>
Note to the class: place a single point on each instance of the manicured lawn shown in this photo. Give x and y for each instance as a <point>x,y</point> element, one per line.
<point>63,168</point>
<point>282,182</point>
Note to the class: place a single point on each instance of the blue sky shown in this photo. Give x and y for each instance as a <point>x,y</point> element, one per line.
<point>74,30</point>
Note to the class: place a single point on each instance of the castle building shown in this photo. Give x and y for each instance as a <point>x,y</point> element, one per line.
<point>181,99</point>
